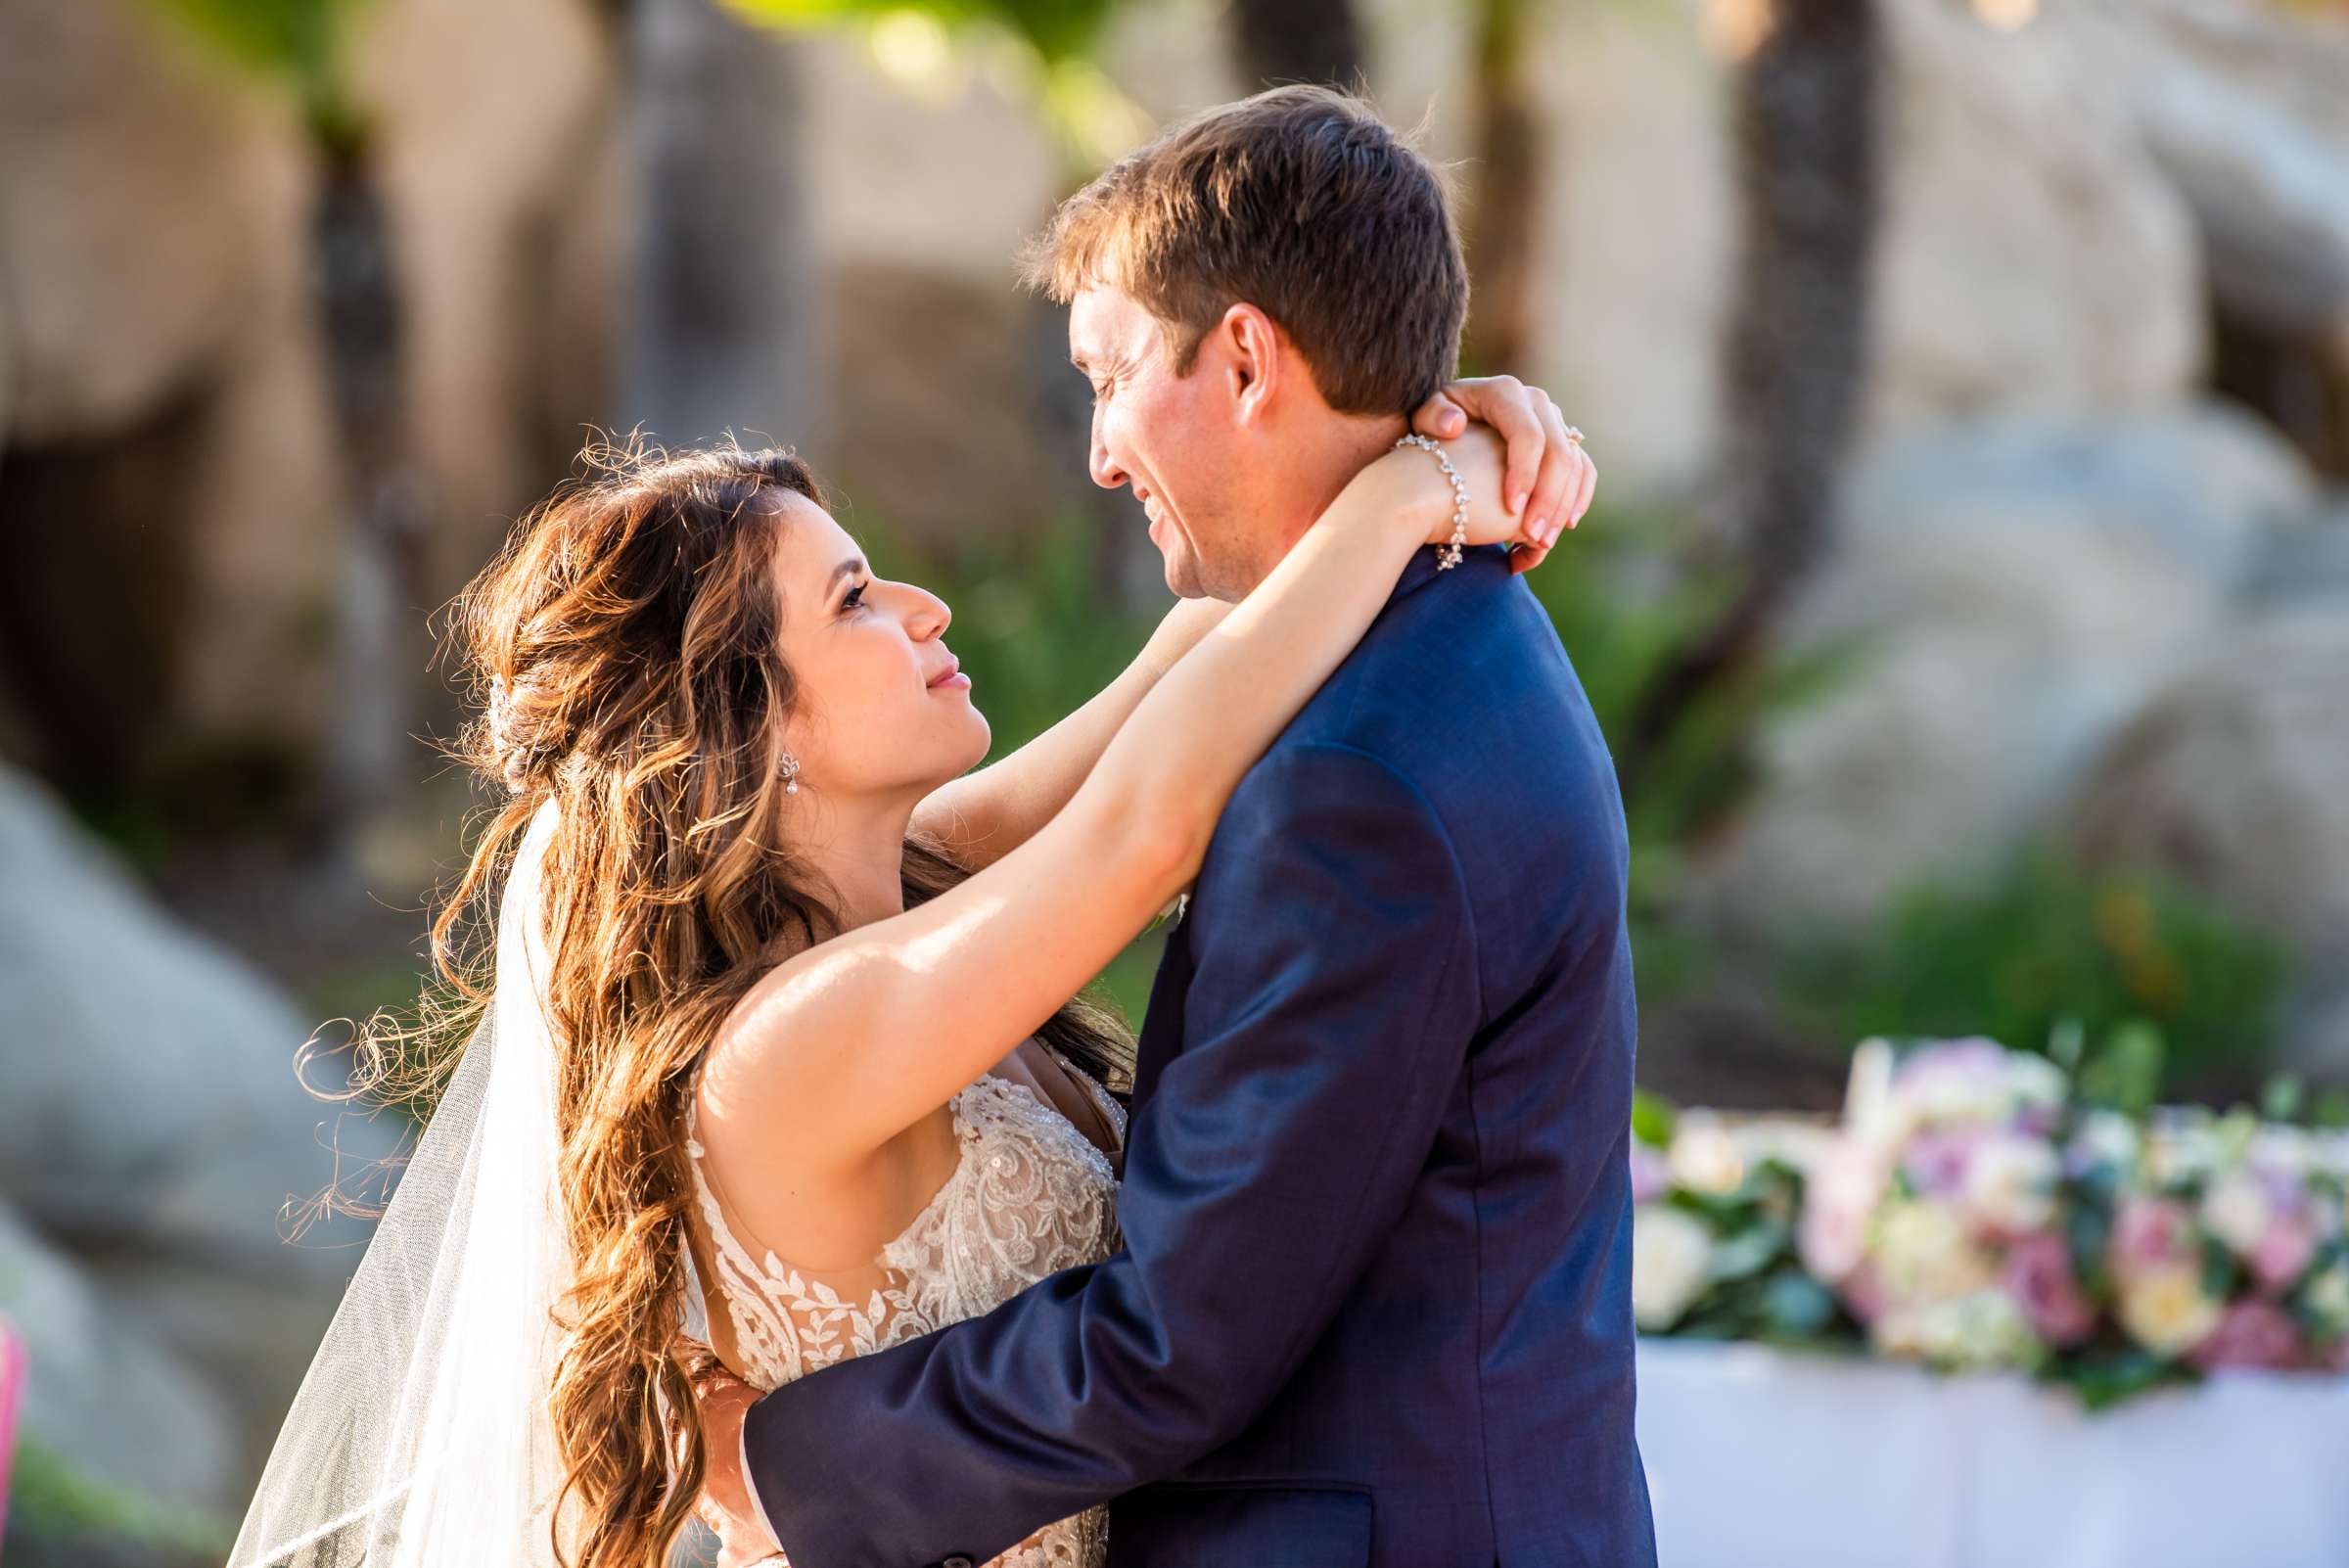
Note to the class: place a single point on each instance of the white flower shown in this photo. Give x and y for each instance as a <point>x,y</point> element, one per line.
<point>1704,1157</point>
<point>1672,1263</point>
<point>2235,1210</point>
<point>2010,1183</point>
<point>2179,1146</point>
<point>2284,1149</point>
<point>2106,1137</point>
<point>1797,1145</point>
<point>2326,1298</point>
<point>1970,1081</point>
<point>2035,1082</point>
<point>1985,1328</point>
<point>1924,1252</point>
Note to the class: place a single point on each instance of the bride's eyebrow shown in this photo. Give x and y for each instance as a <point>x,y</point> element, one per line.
<point>847,569</point>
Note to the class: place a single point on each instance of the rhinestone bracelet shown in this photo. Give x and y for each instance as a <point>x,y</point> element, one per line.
<point>1445,562</point>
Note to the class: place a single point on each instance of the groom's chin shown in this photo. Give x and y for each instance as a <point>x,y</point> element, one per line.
<point>1182,576</point>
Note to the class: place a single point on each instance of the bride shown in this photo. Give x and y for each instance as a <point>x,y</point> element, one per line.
<point>784,1056</point>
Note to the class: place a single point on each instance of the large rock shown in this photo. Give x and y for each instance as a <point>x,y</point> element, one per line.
<point>102,1394</point>
<point>2232,778</point>
<point>189,373</point>
<point>2247,110</point>
<point>2308,563</point>
<point>2034,259</point>
<point>151,1121</point>
<point>149,1093</point>
<point>2017,590</point>
<point>114,131</point>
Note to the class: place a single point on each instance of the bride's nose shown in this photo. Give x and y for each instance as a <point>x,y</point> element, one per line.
<point>926,614</point>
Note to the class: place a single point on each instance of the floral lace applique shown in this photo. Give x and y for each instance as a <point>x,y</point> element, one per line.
<point>1028,1196</point>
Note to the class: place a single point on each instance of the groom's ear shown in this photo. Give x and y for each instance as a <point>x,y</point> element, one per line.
<point>1252,356</point>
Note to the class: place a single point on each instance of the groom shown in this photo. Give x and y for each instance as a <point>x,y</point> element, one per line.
<point>1374,1305</point>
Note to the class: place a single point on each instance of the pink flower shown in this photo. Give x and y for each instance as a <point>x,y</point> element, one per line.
<point>2038,1277</point>
<point>1936,1162</point>
<point>1841,1194</point>
<point>1649,1179</point>
<point>1863,1292</point>
<point>2250,1333</point>
<point>2283,1254</point>
<point>2151,1231</point>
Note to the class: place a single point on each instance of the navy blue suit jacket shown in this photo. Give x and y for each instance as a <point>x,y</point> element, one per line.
<point>1374,1304</point>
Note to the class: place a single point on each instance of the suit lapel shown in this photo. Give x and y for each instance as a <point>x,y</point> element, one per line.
<point>1162,1025</point>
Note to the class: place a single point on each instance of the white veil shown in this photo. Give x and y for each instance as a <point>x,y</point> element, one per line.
<point>419,1437</point>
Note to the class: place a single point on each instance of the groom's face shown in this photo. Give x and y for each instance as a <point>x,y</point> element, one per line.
<point>1170,436</point>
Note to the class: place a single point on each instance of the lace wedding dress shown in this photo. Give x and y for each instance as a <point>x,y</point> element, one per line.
<point>1028,1196</point>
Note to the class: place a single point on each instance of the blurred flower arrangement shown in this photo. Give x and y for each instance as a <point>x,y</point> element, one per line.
<point>1981,1208</point>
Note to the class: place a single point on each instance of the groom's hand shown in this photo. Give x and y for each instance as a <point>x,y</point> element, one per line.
<point>725,1504</point>
<point>1549,479</point>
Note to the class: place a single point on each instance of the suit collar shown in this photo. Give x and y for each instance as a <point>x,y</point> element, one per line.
<point>1423,568</point>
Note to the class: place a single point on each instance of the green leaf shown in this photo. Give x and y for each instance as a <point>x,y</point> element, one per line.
<point>2109,1378</point>
<point>1653,1118</point>
<point>2126,1073</point>
<point>2280,1097</point>
<point>1749,1252</point>
<point>1797,1305</point>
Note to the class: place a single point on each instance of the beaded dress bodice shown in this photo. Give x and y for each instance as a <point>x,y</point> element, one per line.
<point>1028,1196</point>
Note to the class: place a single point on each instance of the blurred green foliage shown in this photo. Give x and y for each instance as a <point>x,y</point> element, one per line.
<point>1057,30</point>
<point>2185,989</point>
<point>300,43</point>
<point>1044,52</point>
<point>55,1508</point>
<point>1626,611</point>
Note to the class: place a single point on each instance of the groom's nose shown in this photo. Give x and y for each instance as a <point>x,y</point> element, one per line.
<point>1106,472</point>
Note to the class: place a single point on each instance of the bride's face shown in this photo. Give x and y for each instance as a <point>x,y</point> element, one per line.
<point>873,718</point>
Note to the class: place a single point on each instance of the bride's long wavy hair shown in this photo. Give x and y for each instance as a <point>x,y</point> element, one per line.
<point>627,634</point>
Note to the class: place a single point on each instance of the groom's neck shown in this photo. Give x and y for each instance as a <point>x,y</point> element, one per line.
<point>1316,461</point>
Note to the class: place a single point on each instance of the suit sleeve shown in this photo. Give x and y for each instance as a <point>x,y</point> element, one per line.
<point>1331,1004</point>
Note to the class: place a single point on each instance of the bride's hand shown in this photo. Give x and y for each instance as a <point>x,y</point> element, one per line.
<point>1411,483</point>
<point>1549,480</point>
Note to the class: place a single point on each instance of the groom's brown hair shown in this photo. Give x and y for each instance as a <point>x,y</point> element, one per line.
<point>1301,202</point>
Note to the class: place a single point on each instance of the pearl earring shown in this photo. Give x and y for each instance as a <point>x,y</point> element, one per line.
<point>790,775</point>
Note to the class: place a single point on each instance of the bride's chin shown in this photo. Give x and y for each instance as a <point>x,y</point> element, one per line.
<point>984,737</point>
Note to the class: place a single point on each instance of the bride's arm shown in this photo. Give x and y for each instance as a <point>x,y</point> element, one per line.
<point>846,1046</point>
<point>983,815</point>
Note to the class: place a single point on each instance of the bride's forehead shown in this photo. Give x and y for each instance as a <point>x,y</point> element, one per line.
<point>807,541</point>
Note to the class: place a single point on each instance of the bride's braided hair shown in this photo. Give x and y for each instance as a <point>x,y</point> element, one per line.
<point>626,640</point>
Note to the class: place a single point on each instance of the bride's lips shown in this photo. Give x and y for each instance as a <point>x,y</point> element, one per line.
<point>950,678</point>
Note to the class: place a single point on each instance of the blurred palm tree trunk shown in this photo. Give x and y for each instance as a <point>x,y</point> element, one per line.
<point>1808,164</point>
<point>362,314</point>
<point>361,309</point>
<point>722,314</point>
<point>1276,41</point>
<point>1506,198</point>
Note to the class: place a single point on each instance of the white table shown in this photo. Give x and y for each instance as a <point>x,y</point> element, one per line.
<point>1763,1459</point>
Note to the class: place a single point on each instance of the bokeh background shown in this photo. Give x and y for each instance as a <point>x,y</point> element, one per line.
<point>1966,602</point>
